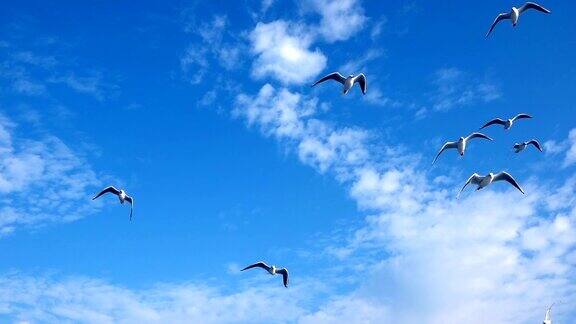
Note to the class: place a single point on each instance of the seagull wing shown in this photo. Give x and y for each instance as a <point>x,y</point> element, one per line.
<point>478,135</point>
<point>106,190</point>
<point>258,265</point>
<point>361,79</point>
<point>521,116</point>
<point>332,76</point>
<point>501,16</point>
<point>446,146</point>
<point>533,5</point>
<point>284,273</point>
<point>504,176</point>
<point>494,121</point>
<point>474,179</point>
<point>536,144</point>
<point>131,201</point>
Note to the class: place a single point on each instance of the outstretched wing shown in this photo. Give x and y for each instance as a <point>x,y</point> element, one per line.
<point>474,178</point>
<point>495,121</point>
<point>131,201</point>
<point>257,265</point>
<point>533,5</point>
<point>284,273</point>
<point>332,76</point>
<point>521,116</point>
<point>504,176</point>
<point>536,144</point>
<point>361,79</point>
<point>501,16</point>
<point>478,135</point>
<point>107,190</point>
<point>446,146</point>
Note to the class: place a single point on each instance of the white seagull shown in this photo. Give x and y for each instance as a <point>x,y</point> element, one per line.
<point>548,316</point>
<point>483,181</point>
<point>506,123</point>
<point>519,147</point>
<point>348,82</point>
<point>122,196</point>
<point>460,144</point>
<point>515,13</point>
<point>271,270</point>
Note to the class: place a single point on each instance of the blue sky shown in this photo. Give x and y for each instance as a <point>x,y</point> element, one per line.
<point>204,112</point>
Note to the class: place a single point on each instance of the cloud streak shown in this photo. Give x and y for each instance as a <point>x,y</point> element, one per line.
<point>41,180</point>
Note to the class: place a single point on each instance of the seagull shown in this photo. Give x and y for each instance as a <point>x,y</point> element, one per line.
<point>548,317</point>
<point>347,82</point>
<point>121,195</point>
<point>483,181</point>
<point>506,123</point>
<point>519,147</point>
<point>515,13</point>
<point>272,270</point>
<point>460,144</point>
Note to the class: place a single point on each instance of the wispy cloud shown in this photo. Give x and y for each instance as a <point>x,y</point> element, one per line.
<point>455,88</point>
<point>41,180</point>
<point>87,300</point>
<point>196,61</point>
<point>566,146</point>
<point>90,84</point>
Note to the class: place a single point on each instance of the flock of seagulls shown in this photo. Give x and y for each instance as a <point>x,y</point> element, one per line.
<point>460,145</point>
<point>483,181</point>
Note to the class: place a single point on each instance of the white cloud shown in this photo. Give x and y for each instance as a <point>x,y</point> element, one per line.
<point>444,260</point>
<point>339,19</point>
<point>571,152</point>
<point>568,145</point>
<point>196,61</point>
<point>266,4</point>
<point>41,181</point>
<point>283,52</point>
<point>86,300</point>
<point>455,88</point>
<point>286,116</point>
<point>90,84</point>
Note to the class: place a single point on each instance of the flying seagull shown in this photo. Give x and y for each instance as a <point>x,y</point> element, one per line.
<point>347,82</point>
<point>515,13</point>
<point>548,316</point>
<point>519,147</point>
<point>271,270</point>
<point>483,181</point>
<point>121,195</point>
<point>506,123</point>
<point>460,144</point>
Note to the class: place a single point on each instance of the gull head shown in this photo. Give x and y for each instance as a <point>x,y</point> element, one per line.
<point>272,270</point>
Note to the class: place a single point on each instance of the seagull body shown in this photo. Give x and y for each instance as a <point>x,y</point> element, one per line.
<point>460,145</point>
<point>484,181</point>
<point>122,196</point>
<point>272,270</point>
<point>506,123</point>
<point>515,13</point>
<point>348,82</point>
<point>548,316</point>
<point>519,147</point>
